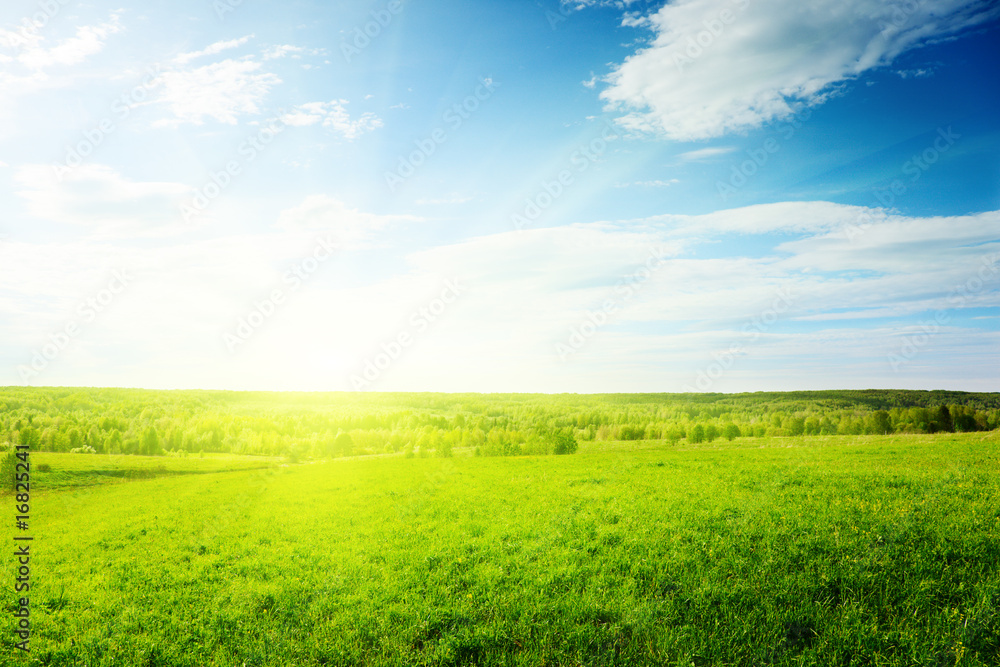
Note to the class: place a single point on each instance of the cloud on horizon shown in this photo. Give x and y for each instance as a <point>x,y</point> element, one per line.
<point>855,281</point>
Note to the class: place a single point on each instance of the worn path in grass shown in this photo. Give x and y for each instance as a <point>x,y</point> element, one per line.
<point>56,472</point>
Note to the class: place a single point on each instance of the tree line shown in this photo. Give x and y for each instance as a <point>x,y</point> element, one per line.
<point>322,425</point>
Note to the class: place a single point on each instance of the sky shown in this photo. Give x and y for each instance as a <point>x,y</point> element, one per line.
<point>518,196</point>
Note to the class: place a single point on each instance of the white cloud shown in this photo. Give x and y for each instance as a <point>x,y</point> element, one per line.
<point>915,73</point>
<point>29,68</point>
<point>523,292</point>
<point>713,69</point>
<point>222,90</point>
<point>705,153</point>
<point>99,198</point>
<point>334,115</point>
<point>582,4</point>
<point>212,49</point>
<point>89,40</point>
<point>282,51</point>
<point>322,213</point>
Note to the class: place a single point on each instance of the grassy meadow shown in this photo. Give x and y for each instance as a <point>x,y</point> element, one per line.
<point>823,550</point>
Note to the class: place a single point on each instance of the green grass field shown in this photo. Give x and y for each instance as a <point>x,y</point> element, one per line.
<point>789,551</point>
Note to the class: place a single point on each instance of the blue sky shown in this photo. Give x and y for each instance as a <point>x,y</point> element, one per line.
<point>583,196</point>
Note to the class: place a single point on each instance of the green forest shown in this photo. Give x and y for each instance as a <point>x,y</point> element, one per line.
<point>323,425</point>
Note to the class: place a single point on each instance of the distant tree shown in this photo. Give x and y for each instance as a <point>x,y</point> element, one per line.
<point>343,445</point>
<point>75,438</point>
<point>113,442</point>
<point>880,423</point>
<point>564,443</point>
<point>965,422</point>
<point>29,436</point>
<point>444,448</point>
<point>943,420</point>
<point>730,431</point>
<point>629,432</point>
<point>697,434</point>
<point>675,433</point>
<point>711,432</point>
<point>150,441</point>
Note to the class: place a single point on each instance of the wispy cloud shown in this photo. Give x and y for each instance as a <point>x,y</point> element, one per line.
<point>212,49</point>
<point>31,63</point>
<point>282,51</point>
<point>100,199</point>
<point>89,40</point>
<point>503,331</point>
<point>223,91</point>
<point>323,213</point>
<point>334,115</point>
<point>649,184</point>
<point>703,154</point>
